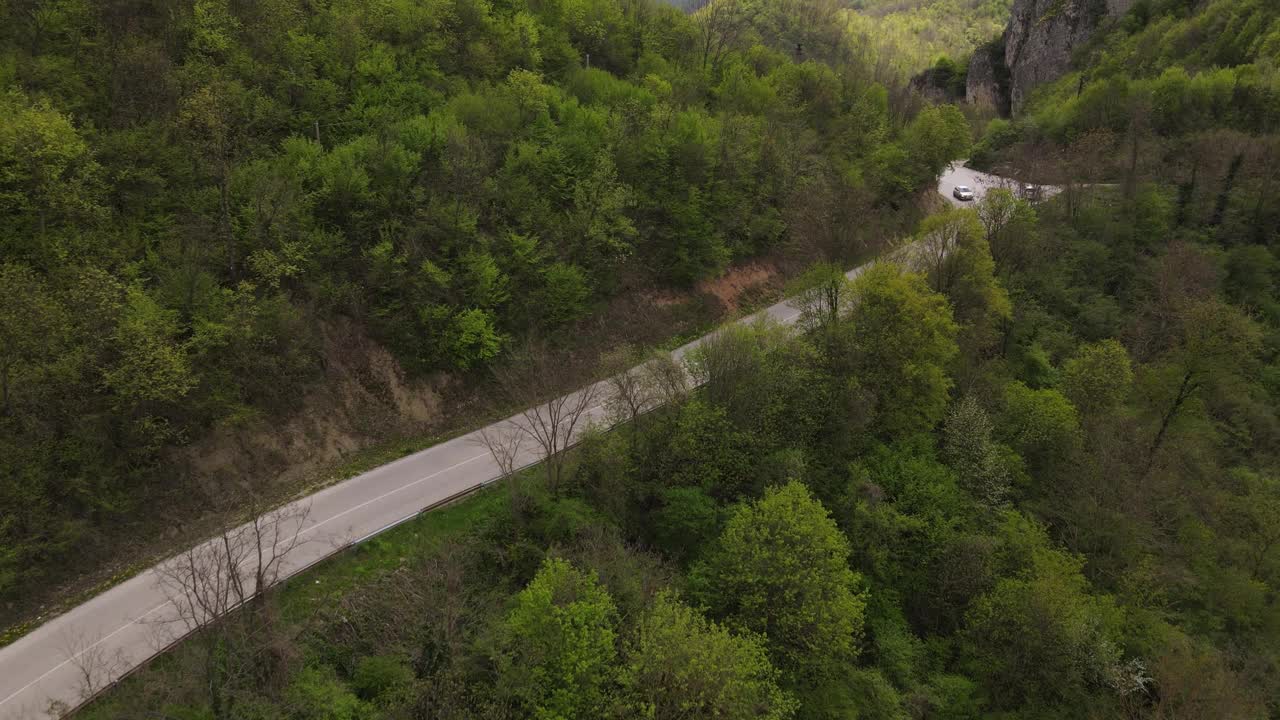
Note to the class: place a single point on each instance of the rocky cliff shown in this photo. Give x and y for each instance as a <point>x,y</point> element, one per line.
<point>1039,43</point>
<point>987,83</point>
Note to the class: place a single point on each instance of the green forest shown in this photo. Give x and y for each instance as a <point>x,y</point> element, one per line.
<point>903,37</point>
<point>996,483</point>
<point>1022,467</point>
<point>189,189</point>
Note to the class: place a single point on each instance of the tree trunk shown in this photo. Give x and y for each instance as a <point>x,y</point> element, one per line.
<point>4,390</point>
<point>1224,198</point>
<point>1131,181</point>
<point>1184,392</point>
<point>1186,192</point>
<point>224,191</point>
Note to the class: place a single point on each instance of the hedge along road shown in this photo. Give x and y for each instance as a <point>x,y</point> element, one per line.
<point>60,664</point>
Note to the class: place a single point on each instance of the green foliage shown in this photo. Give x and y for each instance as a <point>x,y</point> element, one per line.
<point>902,340</point>
<point>780,569</point>
<point>565,293</point>
<point>933,139</point>
<point>381,678</point>
<point>707,452</point>
<point>1042,425</point>
<point>962,268</point>
<point>823,294</point>
<point>1160,75</point>
<point>316,694</point>
<point>1038,637</point>
<point>49,184</point>
<point>970,450</point>
<point>556,648</point>
<point>1090,530</point>
<point>681,665</point>
<point>216,182</point>
<point>863,693</point>
<point>1098,377</point>
<point>687,520</point>
<point>905,37</point>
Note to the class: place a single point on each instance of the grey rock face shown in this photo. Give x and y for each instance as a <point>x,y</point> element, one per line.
<point>987,82</point>
<point>1043,34</point>
<point>1116,8</point>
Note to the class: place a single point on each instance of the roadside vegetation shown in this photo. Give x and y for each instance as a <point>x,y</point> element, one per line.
<point>195,195</point>
<point>989,480</point>
<point>1027,468</point>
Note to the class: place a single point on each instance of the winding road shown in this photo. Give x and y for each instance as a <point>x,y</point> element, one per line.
<point>57,665</point>
<point>980,183</point>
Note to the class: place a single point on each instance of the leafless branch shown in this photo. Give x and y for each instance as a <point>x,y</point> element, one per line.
<point>668,377</point>
<point>535,375</point>
<point>631,389</point>
<point>95,663</point>
<point>208,581</point>
<point>503,443</point>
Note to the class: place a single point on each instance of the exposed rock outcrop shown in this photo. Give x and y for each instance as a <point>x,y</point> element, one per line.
<point>1039,44</point>
<point>1040,40</point>
<point>987,84</point>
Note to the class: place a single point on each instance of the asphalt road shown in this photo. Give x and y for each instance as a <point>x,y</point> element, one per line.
<point>980,183</point>
<point>101,639</point>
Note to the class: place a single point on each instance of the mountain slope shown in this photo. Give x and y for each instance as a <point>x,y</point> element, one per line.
<point>191,190</point>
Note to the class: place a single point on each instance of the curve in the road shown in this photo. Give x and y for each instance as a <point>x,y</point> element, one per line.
<point>958,174</point>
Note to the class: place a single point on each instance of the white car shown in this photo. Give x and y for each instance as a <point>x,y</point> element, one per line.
<point>962,192</point>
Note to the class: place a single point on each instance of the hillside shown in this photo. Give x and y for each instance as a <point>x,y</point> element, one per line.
<point>1033,476</point>
<point>1092,51</point>
<point>214,212</point>
<point>904,37</point>
<point>1151,104</point>
<point>1027,466</point>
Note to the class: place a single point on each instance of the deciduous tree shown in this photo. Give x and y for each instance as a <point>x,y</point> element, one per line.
<point>902,340</point>
<point>781,568</point>
<point>681,665</point>
<point>556,647</point>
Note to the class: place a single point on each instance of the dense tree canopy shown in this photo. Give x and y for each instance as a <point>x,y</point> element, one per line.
<point>780,568</point>
<point>1026,467</point>
<point>193,194</point>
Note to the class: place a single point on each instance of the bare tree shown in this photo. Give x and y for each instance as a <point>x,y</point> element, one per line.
<point>503,442</point>
<point>720,24</point>
<point>217,588</point>
<point>934,250</point>
<point>668,378</point>
<point>210,580</point>
<point>631,390</point>
<point>823,294</point>
<point>535,375</point>
<point>95,664</point>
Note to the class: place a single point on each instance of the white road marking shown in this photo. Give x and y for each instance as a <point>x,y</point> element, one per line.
<point>101,640</point>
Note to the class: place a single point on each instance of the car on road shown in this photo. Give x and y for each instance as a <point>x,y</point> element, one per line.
<point>962,192</point>
<point>1030,192</point>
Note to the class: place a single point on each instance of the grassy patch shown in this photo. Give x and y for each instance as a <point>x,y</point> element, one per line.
<point>343,572</point>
